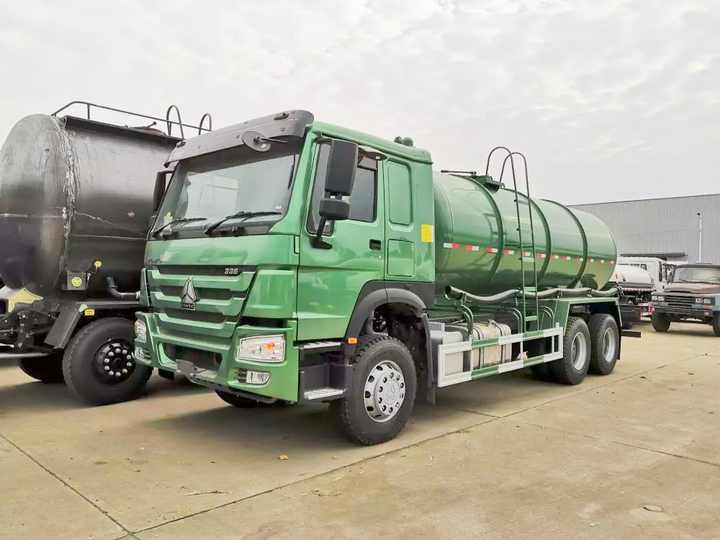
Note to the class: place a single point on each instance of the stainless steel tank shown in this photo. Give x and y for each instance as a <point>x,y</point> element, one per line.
<point>75,201</point>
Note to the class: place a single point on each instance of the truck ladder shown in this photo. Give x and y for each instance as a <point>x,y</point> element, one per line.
<point>526,287</point>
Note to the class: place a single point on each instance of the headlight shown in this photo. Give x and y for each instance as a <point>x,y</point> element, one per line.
<point>658,298</point>
<point>261,349</point>
<point>140,331</point>
<point>708,301</point>
<point>698,300</point>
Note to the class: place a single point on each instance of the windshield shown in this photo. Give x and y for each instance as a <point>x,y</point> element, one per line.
<point>233,181</point>
<point>696,274</point>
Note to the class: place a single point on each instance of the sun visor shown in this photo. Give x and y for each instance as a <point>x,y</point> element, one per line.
<point>284,124</point>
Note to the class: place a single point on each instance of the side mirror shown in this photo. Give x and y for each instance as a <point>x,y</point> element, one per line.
<point>159,191</point>
<point>334,209</point>
<point>342,163</point>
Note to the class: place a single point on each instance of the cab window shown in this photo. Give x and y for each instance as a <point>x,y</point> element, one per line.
<point>363,199</point>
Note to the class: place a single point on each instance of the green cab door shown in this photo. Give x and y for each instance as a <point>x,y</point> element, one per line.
<point>329,280</point>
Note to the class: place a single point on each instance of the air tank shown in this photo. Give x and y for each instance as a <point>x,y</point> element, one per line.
<point>75,201</point>
<point>478,240</point>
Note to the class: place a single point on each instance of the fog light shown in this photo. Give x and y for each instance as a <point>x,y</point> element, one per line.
<point>256,377</point>
<point>140,331</point>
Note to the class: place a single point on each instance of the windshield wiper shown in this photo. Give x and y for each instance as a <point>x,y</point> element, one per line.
<point>242,214</point>
<point>175,222</point>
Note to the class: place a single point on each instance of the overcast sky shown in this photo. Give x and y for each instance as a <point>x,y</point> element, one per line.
<point>608,99</point>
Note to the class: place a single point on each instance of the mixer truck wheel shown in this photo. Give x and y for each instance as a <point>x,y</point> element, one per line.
<point>574,365</point>
<point>381,396</point>
<point>660,322</point>
<point>98,365</point>
<point>46,369</point>
<point>605,341</point>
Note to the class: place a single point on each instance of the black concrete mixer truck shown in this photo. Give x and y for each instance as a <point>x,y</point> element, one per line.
<point>76,198</point>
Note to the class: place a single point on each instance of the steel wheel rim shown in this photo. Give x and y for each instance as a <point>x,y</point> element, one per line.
<point>609,345</point>
<point>384,391</point>
<point>114,361</point>
<point>578,351</point>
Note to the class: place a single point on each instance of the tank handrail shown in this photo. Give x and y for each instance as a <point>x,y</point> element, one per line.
<point>179,120</point>
<point>89,105</point>
<point>202,121</point>
<point>487,163</point>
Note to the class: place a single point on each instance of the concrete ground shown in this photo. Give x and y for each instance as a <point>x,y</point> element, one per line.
<point>629,455</point>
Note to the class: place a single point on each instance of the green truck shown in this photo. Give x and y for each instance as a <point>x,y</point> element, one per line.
<point>295,261</point>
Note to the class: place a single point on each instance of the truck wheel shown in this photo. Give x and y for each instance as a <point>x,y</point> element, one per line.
<point>716,324</point>
<point>573,366</point>
<point>382,392</point>
<point>241,402</point>
<point>660,322</point>
<point>604,343</point>
<point>46,369</point>
<point>98,365</point>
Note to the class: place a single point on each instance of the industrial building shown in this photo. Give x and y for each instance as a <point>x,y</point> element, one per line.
<point>672,228</point>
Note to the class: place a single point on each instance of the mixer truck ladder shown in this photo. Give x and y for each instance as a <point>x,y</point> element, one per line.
<point>528,290</point>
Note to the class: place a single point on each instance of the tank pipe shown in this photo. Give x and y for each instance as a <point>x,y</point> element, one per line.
<point>453,293</point>
<point>115,293</point>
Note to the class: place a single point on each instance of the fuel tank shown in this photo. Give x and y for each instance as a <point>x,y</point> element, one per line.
<point>478,246</point>
<point>75,201</point>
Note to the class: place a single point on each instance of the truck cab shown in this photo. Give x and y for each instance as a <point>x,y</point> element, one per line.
<point>693,295</point>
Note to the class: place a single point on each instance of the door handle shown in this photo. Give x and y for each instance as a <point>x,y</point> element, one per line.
<point>375,244</point>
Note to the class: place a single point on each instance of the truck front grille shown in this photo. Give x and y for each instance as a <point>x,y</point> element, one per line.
<point>680,301</point>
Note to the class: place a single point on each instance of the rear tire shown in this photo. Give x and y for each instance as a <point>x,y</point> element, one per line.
<point>105,343</point>
<point>46,369</point>
<point>574,365</point>
<point>605,343</point>
<point>381,396</point>
<point>660,322</point>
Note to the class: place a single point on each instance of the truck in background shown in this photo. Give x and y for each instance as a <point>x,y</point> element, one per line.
<point>635,287</point>
<point>297,261</point>
<point>659,269</point>
<point>693,295</point>
<point>75,203</point>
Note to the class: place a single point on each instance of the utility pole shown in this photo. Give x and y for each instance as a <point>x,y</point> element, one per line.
<point>699,215</point>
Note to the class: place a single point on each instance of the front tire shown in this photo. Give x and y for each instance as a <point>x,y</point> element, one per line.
<point>98,365</point>
<point>660,322</point>
<point>381,396</point>
<point>574,365</point>
<point>46,369</point>
<point>716,324</point>
<point>605,343</point>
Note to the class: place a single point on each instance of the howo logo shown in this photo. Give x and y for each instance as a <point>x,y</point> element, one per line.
<point>188,297</point>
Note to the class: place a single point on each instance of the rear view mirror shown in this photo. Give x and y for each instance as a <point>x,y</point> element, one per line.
<point>342,163</point>
<point>159,191</point>
<point>334,209</point>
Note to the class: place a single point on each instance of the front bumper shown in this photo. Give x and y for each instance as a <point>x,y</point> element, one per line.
<point>694,311</point>
<point>212,363</point>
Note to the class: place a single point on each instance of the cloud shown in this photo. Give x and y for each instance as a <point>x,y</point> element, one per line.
<point>609,100</point>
